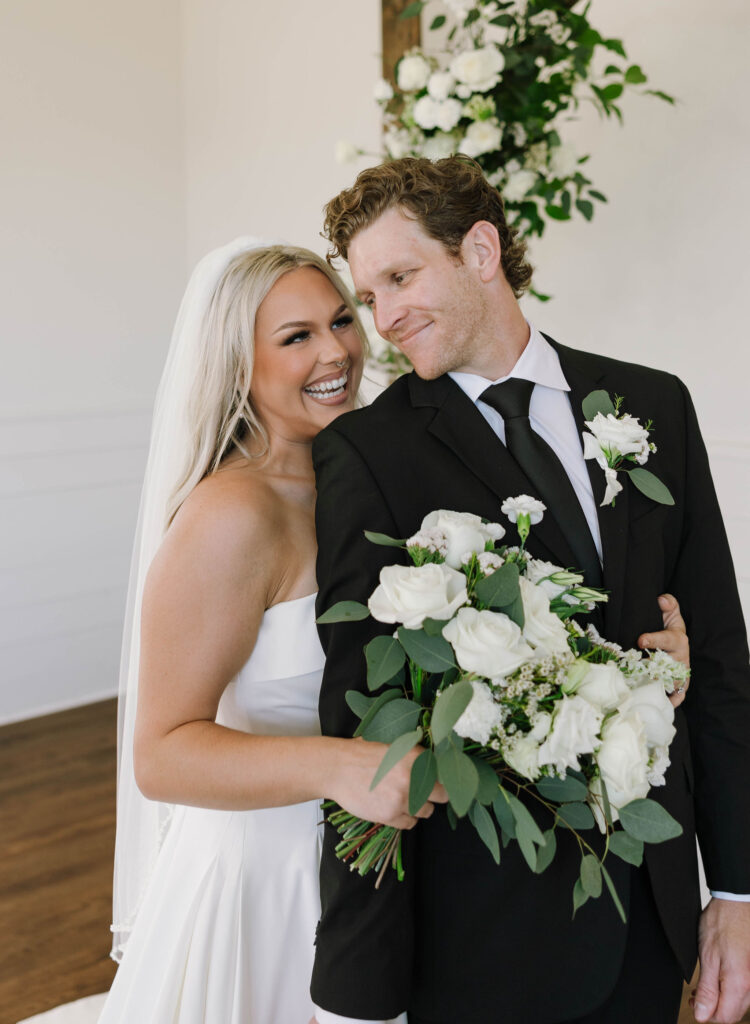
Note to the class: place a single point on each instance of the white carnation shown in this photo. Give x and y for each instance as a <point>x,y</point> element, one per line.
<point>478,69</point>
<point>486,642</point>
<point>521,754</point>
<point>413,73</point>
<point>439,146</point>
<point>523,505</point>
<point>482,715</point>
<point>482,137</point>
<point>411,594</point>
<point>519,185</point>
<point>441,85</point>
<point>563,161</point>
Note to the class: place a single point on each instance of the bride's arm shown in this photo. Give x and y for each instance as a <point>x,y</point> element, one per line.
<point>218,569</point>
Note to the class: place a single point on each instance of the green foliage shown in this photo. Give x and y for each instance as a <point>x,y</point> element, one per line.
<point>412,10</point>
<point>459,775</point>
<point>482,822</point>
<point>647,820</point>
<point>626,848</point>
<point>595,402</point>
<point>591,876</point>
<point>504,814</point>
<point>392,720</point>
<point>432,653</point>
<point>376,704</point>
<point>385,657</point>
<point>344,611</point>
<point>383,540</point>
<point>359,703</point>
<point>651,486</point>
<point>423,778</point>
<point>398,749</point>
<point>500,589</point>
<point>488,781</point>
<point>576,815</point>
<point>448,709</point>
<point>562,790</point>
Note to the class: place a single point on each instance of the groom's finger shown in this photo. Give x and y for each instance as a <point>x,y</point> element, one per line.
<point>439,794</point>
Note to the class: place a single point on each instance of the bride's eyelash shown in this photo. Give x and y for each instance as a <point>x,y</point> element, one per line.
<point>344,320</point>
<point>341,321</point>
<point>298,336</point>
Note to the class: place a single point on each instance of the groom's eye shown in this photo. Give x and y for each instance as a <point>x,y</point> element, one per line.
<point>401,277</point>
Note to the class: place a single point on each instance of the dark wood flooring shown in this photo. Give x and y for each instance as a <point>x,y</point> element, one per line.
<point>57,828</point>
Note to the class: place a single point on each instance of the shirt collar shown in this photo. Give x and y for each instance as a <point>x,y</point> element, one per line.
<point>538,363</point>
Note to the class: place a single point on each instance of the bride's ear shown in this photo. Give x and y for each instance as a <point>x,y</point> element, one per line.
<point>482,250</point>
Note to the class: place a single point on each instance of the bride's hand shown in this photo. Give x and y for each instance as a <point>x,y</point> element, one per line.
<point>388,802</point>
<point>673,639</point>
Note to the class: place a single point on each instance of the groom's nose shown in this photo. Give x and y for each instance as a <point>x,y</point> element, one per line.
<point>389,313</point>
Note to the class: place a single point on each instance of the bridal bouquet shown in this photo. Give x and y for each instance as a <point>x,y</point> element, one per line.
<point>508,696</point>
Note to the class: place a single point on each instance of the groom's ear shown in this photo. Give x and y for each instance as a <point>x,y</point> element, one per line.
<point>481,249</point>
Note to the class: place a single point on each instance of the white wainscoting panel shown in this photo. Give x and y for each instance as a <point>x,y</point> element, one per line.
<point>69,492</point>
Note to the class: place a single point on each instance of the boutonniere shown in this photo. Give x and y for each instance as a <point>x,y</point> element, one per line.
<point>620,444</point>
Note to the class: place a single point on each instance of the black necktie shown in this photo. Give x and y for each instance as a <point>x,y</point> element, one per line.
<point>545,471</point>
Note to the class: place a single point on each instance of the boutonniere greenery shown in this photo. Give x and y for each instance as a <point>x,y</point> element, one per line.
<point>620,444</point>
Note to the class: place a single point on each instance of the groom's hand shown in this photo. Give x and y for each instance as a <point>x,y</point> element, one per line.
<point>388,802</point>
<point>673,639</point>
<point>723,992</point>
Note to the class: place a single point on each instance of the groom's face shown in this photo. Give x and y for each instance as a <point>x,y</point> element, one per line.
<point>424,301</point>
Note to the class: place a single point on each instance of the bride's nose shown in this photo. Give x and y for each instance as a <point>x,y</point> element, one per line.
<point>332,350</point>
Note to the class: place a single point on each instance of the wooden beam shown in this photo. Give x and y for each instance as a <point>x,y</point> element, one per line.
<point>399,35</point>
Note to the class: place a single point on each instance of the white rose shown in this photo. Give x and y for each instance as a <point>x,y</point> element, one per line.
<point>488,643</point>
<point>426,112</point>
<point>440,85</point>
<point>478,70</point>
<point>482,715</point>
<point>541,627</point>
<point>413,73</point>
<point>523,505</point>
<point>397,143</point>
<point>655,710</point>
<point>658,766</point>
<point>482,137</point>
<point>518,185</point>
<point>411,594</point>
<point>521,754</point>
<point>382,91</point>
<point>439,146</point>
<point>463,531</point>
<point>449,114</point>
<point>345,152</point>
<point>563,161</point>
<point>604,686</point>
<point>575,731</point>
<point>623,759</point>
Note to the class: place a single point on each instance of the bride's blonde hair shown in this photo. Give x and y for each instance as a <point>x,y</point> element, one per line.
<point>220,413</point>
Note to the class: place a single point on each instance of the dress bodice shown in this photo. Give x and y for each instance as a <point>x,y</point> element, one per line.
<point>276,692</point>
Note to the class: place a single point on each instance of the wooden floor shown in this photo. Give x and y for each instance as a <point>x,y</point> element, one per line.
<point>57,807</point>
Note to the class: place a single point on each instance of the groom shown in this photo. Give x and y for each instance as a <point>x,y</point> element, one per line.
<point>460,940</point>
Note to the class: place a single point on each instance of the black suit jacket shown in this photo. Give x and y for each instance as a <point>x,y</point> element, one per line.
<point>461,938</point>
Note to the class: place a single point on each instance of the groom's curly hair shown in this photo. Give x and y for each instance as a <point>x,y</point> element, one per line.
<point>445,197</point>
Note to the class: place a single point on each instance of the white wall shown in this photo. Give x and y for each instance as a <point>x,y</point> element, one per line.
<point>92,260</point>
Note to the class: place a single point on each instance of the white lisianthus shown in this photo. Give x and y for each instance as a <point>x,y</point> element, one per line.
<point>488,643</point>
<point>411,594</point>
<point>463,531</point>
<point>397,143</point>
<point>482,137</point>
<point>441,85</point>
<point>345,152</point>
<point>523,505</point>
<point>439,146</point>
<point>541,627</point>
<point>413,73</point>
<point>482,715</point>
<point>382,91</point>
<point>604,686</point>
<point>575,731</point>
<point>563,161</point>
<point>651,704</point>
<point>616,436</point>
<point>553,579</point>
<point>519,185</point>
<point>521,753</point>
<point>479,69</point>
<point>623,759</point>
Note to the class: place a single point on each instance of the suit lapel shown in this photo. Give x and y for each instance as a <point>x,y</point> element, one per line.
<point>583,375</point>
<point>460,425</point>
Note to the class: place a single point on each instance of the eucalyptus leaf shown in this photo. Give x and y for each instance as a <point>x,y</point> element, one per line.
<point>585,208</point>
<point>359,703</point>
<point>577,816</point>
<point>597,401</point>
<point>649,821</point>
<point>525,824</point>
<point>384,656</point>
<point>591,876</point>
<point>448,709</point>
<point>561,790</point>
<point>515,611</point>
<point>580,896</point>
<point>434,627</point>
<point>432,653</point>
<point>499,589</point>
<point>545,854</point>
<point>528,850</point>
<point>377,703</point>
<point>392,720</point>
<point>457,773</point>
<point>451,816</point>
<point>504,814</point>
<point>395,753</point>
<point>384,540</point>
<point>423,778</point>
<point>344,611</point>
<point>613,893</point>
<point>626,848</point>
<point>651,486</point>
<point>482,822</point>
<point>488,781</point>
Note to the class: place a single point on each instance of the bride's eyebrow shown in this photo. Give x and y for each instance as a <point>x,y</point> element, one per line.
<point>292,323</point>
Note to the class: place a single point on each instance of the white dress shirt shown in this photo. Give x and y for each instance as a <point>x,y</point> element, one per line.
<point>551,416</point>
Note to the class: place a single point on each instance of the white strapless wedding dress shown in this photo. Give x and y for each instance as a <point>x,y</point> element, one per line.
<point>226,929</point>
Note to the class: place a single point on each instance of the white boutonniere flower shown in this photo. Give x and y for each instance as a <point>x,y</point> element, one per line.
<point>619,443</point>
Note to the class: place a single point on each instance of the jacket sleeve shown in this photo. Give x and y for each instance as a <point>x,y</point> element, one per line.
<point>718,702</point>
<point>364,940</point>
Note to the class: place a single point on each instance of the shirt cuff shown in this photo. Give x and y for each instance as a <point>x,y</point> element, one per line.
<point>733,896</point>
<point>325,1017</point>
